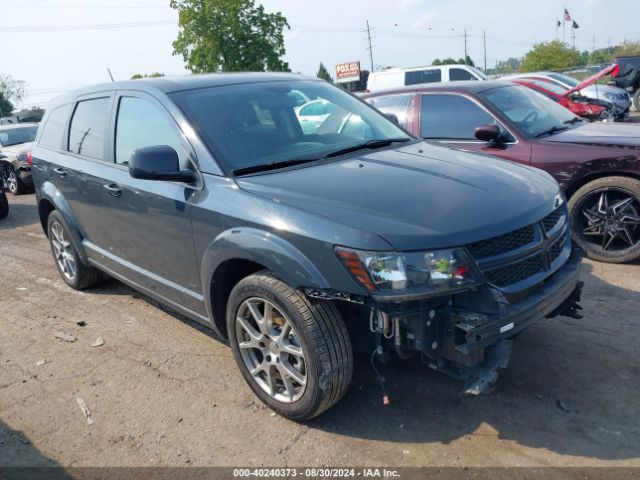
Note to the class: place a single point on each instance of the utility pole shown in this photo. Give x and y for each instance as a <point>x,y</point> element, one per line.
<point>484,41</point>
<point>465,46</point>
<point>370,47</point>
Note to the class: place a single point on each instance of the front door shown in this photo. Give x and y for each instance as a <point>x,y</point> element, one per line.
<point>452,118</point>
<point>146,234</point>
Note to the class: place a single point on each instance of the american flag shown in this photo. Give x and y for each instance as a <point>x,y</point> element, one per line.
<point>567,15</point>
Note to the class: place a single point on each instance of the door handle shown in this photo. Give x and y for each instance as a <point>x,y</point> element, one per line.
<point>113,189</point>
<point>61,172</point>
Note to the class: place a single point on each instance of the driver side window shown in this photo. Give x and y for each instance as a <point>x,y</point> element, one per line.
<point>141,124</point>
<point>451,117</point>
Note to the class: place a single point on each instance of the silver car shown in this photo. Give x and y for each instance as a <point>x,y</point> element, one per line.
<point>15,145</point>
<point>614,95</point>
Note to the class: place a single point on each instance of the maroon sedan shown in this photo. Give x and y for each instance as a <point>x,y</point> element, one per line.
<point>598,165</point>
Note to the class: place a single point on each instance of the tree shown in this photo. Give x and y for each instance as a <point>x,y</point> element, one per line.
<point>11,90</point>
<point>6,107</point>
<point>323,73</point>
<point>138,76</point>
<point>229,35</point>
<point>627,48</point>
<point>436,62</point>
<point>550,56</point>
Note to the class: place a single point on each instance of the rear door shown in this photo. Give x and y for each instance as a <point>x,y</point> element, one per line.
<point>451,119</point>
<point>146,233</point>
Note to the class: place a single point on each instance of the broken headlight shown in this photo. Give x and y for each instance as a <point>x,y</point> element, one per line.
<point>435,270</point>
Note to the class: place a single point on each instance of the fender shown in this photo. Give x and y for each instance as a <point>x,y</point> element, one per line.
<point>628,165</point>
<point>265,248</point>
<point>48,191</point>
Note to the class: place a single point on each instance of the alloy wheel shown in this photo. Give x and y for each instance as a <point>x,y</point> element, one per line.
<point>12,182</point>
<point>271,350</point>
<point>611,219</point>
<point>63,251</point>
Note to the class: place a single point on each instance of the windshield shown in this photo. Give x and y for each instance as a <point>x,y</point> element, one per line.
<point>531,112</point>
<point>572,82</point>
<point>263,123</point>
<point>16,136</point>
<point>479,73</point>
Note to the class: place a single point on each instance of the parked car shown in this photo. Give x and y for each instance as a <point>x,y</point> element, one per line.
<point>613,95</point>
<point>628,77</point>
<point>205,193</point>
<point>588,108</point>
<point>597,165</point>
<point>312,114</point>
<point>15,144</point>
<point>400,77</point>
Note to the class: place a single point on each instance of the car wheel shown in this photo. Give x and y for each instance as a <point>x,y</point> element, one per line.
<point>605,217</point>
<point>4,205</point>
<point>75,273</point>
<point>14,184</point>
<point>294,353</point>
<point>636,100</point>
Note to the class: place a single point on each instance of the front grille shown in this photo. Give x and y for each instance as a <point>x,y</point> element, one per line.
<point>503,243</point>
<point>515,273</point>
<point>552,219</point>
<point>556,249</point>
<point>529,251</point>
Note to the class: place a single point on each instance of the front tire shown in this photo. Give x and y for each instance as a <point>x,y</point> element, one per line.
<point>636,100</point>
<point>605,217</point>
<point>14,184</point>
<point>295,354</point>
<point>75,273</point>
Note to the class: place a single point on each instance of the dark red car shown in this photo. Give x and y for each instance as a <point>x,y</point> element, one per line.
<point>589,108</point>
<point>597,164</point>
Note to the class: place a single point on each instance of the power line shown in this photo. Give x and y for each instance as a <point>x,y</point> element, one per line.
<point>82,7</point>
<point>80,27</point>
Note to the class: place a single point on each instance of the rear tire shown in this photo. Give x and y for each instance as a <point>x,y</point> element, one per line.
<point>75,273</point>
<point>636,100</point>
<point>316,349</point>
<point>605,218</point>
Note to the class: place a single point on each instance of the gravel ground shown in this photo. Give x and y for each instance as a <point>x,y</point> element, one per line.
<point>163,391</point>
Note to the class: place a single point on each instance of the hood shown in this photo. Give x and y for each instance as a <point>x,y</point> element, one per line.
<point>602,89</point>
<point>611,69</point>
<point>597,133</point>
<point>419,196</point>
<point>15,150</point>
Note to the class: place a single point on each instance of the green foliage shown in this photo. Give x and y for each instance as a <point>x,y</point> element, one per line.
<point>436,62</point>
<point>552,55</point>
<point>627,48</point>
<point>453,61</point>
<point>6,107</point>
<point>138,76</point>
<point>323,73</point>
<point>229,35</point>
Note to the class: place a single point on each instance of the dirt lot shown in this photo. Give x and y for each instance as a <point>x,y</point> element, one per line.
<point>163,391</point>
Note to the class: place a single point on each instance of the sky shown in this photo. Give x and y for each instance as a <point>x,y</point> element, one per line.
<point>59,45</point>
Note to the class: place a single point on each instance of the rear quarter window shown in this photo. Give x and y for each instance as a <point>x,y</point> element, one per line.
<point>423,76</point>
<point>88,127</point>
<point>396,104</point>
<point>54,129</point>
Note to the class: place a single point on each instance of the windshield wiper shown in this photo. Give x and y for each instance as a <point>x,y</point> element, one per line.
<point>274,165</point>
<point>551,131</point>
<point>370,144</point>
<point>573,120</point>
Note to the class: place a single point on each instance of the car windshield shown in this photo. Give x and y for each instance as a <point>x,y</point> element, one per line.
<point>479,73</point>
<point>16,136</point>
<point>255,124</point>
<point>531,112</point>
<point>572,82</point>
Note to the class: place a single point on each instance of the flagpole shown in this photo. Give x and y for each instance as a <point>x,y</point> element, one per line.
<point>563,22</point>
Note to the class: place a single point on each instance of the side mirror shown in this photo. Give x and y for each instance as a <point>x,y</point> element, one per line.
<point>488,133</point>
<point>393,117</point>
<point>159,162</point>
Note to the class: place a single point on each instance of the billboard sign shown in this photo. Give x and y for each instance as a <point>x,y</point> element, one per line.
<point>348,72</point>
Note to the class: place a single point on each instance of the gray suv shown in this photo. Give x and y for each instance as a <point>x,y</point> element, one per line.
<point>300,249</point>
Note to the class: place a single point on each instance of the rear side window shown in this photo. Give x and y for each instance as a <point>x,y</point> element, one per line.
<point>54,130</point>
<point>451,117</point>
<point>423,76</point>
<point>142,124</point>
<point>396,104</point>
<point>457,74</point>
<point>88,127</point>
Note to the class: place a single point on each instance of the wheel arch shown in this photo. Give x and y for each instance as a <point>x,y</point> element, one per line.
<point>50,199</point>
<point>582,181</point>
<point>240,252</point>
